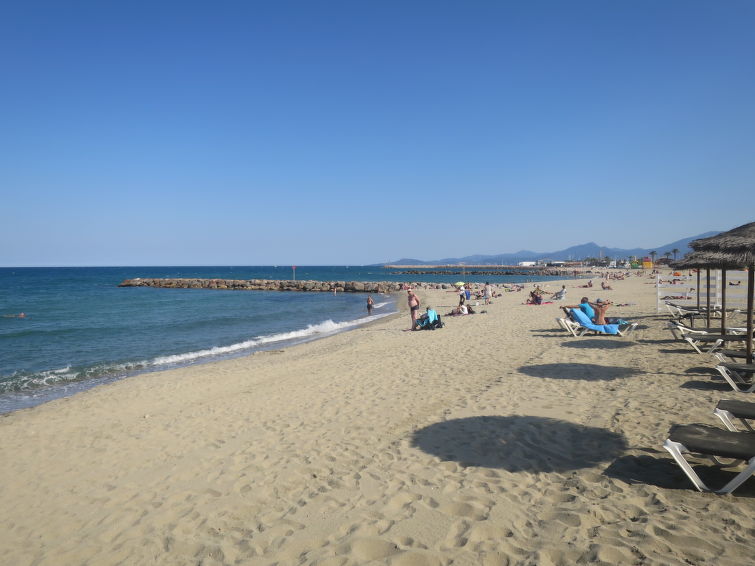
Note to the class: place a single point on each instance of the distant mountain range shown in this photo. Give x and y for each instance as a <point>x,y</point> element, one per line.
<point>582,251</point>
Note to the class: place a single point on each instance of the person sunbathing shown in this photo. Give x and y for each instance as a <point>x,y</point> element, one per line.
<point>606,287</point>
<point>560,294</point>
<point>459,311</point>
<point>534,298</point>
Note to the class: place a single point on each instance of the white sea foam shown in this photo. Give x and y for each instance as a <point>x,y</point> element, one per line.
<point>312,331</point>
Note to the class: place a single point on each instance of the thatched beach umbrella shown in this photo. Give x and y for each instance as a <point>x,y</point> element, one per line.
<point>709,260</point>
<point>698,260</point>
<point>736,247</point>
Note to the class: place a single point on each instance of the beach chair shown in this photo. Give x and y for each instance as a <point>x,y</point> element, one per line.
<point>429,321</point>
<point>727,410</point>
<point>681,330</point>
<point>713,443</point>
<point>710,342</point>
<point>574,328</point>
<point>727,356</point>
<point>586,324</point>
<point>739,376</point>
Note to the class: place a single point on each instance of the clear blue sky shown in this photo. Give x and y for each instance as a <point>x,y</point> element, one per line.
<point>353,132</point>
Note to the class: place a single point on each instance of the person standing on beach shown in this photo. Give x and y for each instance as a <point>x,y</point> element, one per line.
<point>462,295</point>
<point>370,304</point>
<point>488,292</point>
<point>413,306</point>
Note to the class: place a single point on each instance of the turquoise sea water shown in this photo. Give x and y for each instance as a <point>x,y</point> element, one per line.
<point>82,330</point>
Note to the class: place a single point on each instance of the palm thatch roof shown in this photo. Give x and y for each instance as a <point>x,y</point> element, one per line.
<point>735,240</point>
<point>737,246</point>
<point>713,260</point>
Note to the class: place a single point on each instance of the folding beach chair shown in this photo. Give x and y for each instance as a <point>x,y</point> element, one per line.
<point>713,443</point>
<point>429,321</point>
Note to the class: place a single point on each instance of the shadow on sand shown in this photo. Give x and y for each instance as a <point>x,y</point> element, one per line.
<point>588,372</point>
<point>597,343</point>
<point>519,443</point>
<point>709,385</point>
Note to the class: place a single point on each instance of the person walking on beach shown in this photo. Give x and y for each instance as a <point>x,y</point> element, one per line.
<point>370,304</point>
<point>487,292</point>
<point>413,306</point>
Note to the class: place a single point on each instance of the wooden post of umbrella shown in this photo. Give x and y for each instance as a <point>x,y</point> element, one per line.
<point>707,297</point>
<point>723,301</point>
<point>750,291</point>
<point>698,291</point>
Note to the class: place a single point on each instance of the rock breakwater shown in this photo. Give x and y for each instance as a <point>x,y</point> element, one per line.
<point>278,285</point>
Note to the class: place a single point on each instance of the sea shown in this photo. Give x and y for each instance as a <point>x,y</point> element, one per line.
<point>81,330</point>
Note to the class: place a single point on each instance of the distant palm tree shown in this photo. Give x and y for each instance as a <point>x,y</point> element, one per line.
<point>667,255</point>
<point>675,251</point>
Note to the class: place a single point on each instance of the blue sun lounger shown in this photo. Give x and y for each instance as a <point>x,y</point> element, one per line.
<point>579,316</point>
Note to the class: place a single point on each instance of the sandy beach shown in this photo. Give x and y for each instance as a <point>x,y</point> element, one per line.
<point>499,439</point>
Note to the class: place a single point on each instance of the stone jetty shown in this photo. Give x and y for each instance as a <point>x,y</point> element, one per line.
<point>278,285</point>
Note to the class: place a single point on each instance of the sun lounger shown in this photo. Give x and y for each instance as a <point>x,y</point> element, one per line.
<point>574,328</point>
<point>730,356</point>
<point>712,341</point>
<point>583,320</point>
<point>739,376</point>
<point>727,410</point>
<point>680,330</point>
<point>583,325</point>
<point>713,443</point>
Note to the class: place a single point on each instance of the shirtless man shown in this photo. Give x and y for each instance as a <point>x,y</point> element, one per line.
<point>600,311</point>
<point>413,306</point>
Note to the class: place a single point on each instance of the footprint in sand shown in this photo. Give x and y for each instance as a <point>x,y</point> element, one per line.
<point>363,550</point>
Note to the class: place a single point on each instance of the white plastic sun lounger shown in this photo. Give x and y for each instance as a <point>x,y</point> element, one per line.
<point>573,328</point>
<point>739,376</point>
<point>713,443</point>
<point>728,410</point>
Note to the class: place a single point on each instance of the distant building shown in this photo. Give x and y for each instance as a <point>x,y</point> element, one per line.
<point>527,264</point>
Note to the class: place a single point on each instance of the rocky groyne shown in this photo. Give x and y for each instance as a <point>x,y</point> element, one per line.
<point>278,285</point>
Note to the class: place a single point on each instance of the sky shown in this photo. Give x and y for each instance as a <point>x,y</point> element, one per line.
<point>355,132</point>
